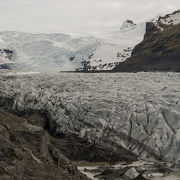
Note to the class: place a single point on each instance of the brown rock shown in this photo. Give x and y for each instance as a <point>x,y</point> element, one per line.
<point>26,152</point>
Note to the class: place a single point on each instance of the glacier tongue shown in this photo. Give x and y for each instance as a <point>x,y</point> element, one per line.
<point>137,111</point>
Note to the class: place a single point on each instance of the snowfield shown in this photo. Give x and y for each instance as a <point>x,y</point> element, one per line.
<point>137,111</point>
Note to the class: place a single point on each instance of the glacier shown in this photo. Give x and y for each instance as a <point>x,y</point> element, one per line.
<point>137,111</point>
<point>66,52</point>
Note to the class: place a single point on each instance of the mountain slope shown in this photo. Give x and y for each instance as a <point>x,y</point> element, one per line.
<point>114,47</point>
<point>160,49</point>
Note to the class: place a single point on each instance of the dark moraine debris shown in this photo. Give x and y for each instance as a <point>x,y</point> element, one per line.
<point>26,152</point>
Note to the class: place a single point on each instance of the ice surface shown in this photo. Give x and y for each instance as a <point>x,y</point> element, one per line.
<point>139,111</point>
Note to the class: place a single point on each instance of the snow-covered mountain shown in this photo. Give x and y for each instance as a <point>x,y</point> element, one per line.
<point>95,51</point>
<point>127,25</point>
<point>56,52</point>
<point>160,48</point>
<point>116,46</point>
<point>167,20</point>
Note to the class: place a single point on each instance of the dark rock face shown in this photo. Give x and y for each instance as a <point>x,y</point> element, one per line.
<point>14,66</point>
<point>159,51</point>
<point>127,25</point>
<point>71,58</point>
<point>9,53</point>
<point>76,149</point>
<point>6,54</point>
<point>150,30</point>
<point>5,66</point>
<point>27,152</point>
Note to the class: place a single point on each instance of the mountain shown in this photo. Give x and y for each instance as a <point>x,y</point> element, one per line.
<point>118,50</point>
<point>60,52</point>
<point>27,152</point>
<point>160,49</point>
<point>115,47</point>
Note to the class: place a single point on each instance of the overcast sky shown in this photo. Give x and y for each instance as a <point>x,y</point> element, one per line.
<point>73,16</point>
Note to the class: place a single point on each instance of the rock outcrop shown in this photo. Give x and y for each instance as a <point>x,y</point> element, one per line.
<point>6,56</point>
<point>140,170</point>
<point>27,152</point>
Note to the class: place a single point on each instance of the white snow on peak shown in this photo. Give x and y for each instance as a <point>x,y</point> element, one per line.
<point>155,19</point>
<point>127,25</point>
<point>167,19</point>
<point>171,19</point>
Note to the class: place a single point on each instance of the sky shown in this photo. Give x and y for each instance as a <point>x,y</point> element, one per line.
<point>78,16</point>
